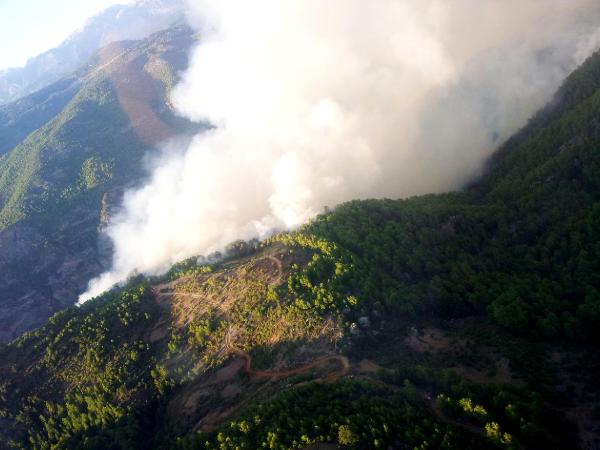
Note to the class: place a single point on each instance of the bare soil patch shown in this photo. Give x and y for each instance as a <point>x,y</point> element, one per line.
<point>231,390</point>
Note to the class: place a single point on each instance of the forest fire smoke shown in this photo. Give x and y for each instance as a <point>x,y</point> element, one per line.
<point>317,102</point>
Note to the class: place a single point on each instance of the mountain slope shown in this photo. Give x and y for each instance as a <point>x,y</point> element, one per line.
<point>118,23</point>
<point>465,320</point>
<point>58,185</point>
<point>19,119</point>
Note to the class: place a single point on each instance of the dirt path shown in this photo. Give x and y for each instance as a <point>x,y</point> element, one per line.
<point>162,298</point>
<point>277,262</point>
<point>279,374</point>
<point>435,408</point>
<point>210,421</point>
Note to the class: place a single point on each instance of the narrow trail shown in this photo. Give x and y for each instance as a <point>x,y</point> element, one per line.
<point>169,287</point>
<point>165,292</point>
<point>277,262</point>
<point>210,421</point>
<point>279,374</point>
<point>435,409</point>
<point>162,297</point>
<point>181,294</point>
<point>228,348</point>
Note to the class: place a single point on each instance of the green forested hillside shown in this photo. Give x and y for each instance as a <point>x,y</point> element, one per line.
<point>19,119</point>
<point>463,320</point>
<point>69,152</point>
<point>117,113</point>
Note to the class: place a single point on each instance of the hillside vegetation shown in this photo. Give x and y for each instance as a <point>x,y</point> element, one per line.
<point>69,152</point>
<point>467,320</point>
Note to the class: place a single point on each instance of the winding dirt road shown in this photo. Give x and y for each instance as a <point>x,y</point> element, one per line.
<point>279,374</point>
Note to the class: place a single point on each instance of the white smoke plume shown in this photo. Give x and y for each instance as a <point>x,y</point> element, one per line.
<point>316,102</point>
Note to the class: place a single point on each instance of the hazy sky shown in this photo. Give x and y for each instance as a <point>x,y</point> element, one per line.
<point>29,27</point>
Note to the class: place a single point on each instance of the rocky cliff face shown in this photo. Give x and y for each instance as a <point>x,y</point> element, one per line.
<point>44,272</point>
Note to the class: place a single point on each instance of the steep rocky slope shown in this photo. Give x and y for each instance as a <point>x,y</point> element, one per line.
<point>82,141</point>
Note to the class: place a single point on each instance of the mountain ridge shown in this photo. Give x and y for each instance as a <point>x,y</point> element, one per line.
<point>117,23</point>
<point>467,320</point>
<point>58,171</point>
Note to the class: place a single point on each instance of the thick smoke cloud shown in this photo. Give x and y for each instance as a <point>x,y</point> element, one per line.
<point>317,102</point>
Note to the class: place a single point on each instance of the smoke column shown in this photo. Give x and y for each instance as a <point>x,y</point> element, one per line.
<point>318,102</point>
